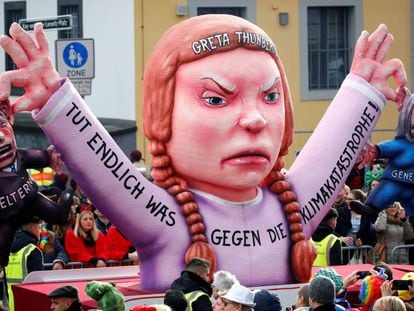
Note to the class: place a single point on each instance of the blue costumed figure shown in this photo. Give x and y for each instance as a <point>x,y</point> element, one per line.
<point>397,181</point>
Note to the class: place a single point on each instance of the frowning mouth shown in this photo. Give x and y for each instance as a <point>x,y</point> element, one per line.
<point>257,157</point>
<point>5,149</point>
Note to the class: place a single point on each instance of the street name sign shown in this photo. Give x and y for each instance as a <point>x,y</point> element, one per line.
<point>60,22</point>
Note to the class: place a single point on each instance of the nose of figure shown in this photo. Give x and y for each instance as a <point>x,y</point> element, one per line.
<point>2,136</point>
<point>253,121</point>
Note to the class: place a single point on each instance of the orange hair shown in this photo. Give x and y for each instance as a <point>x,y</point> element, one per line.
<point>173,50</point>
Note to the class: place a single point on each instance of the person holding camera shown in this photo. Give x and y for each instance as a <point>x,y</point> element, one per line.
<point>404,288</point>
<point>393,227</point>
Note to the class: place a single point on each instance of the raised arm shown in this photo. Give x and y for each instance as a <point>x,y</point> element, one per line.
<point>104,172</point>
<point>327,158</point>
<point>35,73</point>
<point>369,62</point>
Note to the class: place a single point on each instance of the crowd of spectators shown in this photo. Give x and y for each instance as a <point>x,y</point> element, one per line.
<point>347,237</point>
<point>87,239</point>
<point>327,290</point>
<point>194,290</point>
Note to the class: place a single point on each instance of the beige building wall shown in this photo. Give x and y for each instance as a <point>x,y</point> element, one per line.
<point>154,17</point>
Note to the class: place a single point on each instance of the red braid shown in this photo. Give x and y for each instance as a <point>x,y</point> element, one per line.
<point>164,176</point>
<point>303,252</point>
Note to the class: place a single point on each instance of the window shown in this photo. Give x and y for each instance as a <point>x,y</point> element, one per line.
<point>74,8</point>
<point>241,8</point>
<point>238,11</point>
<point>13,12</point>
<point>328,47</point>
<point>328,35</point>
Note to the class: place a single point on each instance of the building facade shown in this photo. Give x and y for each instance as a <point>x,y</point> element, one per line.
<point>315,39</point>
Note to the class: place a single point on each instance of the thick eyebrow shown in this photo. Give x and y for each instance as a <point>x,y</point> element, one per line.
<point>270,84</point>
<point>221,83</point>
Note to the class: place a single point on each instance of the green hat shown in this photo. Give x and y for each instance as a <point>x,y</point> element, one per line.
<point>333,275</point>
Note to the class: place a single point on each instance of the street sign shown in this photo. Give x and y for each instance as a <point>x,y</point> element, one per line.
<point>75,58</point>
<point>49,23</point>
<point>83,86</point>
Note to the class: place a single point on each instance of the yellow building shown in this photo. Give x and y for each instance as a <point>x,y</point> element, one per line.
<point>315,39</point>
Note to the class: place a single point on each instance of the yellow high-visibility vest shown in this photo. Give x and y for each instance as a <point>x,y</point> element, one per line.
<point>43,177</point>
<point>324,247</point>
<point>16,270</point>
<point>193,296</point>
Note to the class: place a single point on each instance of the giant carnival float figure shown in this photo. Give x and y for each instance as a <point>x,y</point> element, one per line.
<point>19,196</point>
<point>219,120</point>
<point>396,183</point>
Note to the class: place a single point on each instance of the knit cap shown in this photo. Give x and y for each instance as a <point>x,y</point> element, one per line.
<point>322,290</point>
<point>370,291</point>
<point>333,275</point>
<point>266,300</point>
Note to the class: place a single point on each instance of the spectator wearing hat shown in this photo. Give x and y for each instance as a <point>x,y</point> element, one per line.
<point>322,294</point>
<point>222,282</point>
<point>371,288</point>
<point>341,284</point>
<point>25,256</point>
<point>65,298</point>
<point>194,283</point>
<point>266,300</point>
<point>238,298</point>
<point>385,268</point>
<point>175,299</point>
<point>407,296</point>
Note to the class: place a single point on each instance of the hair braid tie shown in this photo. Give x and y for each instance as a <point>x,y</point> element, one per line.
<point>287,197</point>
<point>292,207</point>
<point>189,208</point>
<point>297,227</point>
<point>161,161</point>
<point>184,197</point>
<point>161,173</point>
<point>192,219</point>
<point>166,184</point>
<point>198,238</point>
<point>197,228</point>
<point>175,189</point>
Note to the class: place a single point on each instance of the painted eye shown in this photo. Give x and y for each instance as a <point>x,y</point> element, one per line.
<point>272,97</point>
<point>215,101</point>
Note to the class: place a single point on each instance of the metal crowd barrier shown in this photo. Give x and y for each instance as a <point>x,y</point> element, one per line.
<point>3,290</point>
<point>365,253</point>
<point>396,251</point>
<point>81,265</point>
